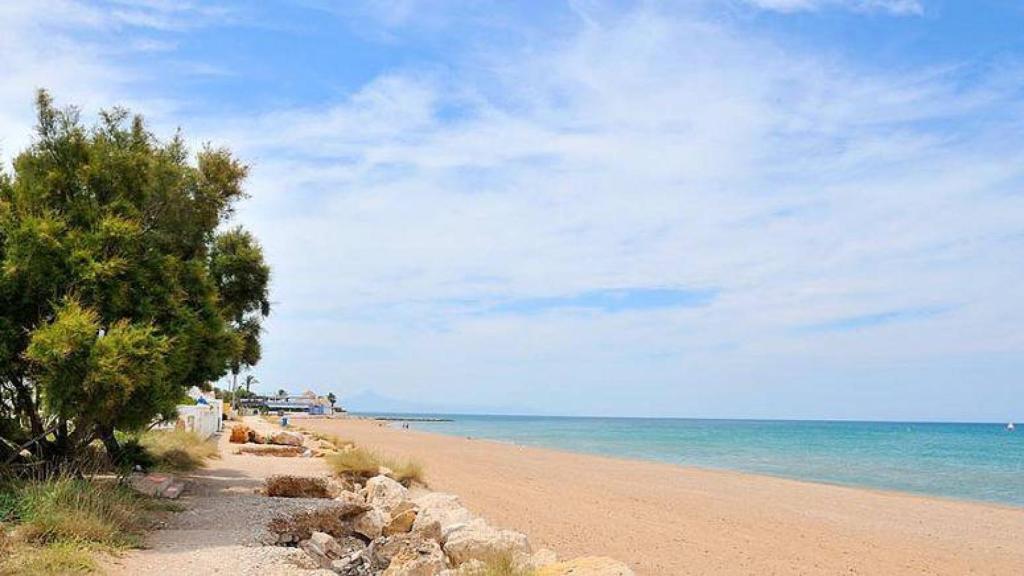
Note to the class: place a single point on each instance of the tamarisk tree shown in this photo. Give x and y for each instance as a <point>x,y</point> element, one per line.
<point>119,289</point>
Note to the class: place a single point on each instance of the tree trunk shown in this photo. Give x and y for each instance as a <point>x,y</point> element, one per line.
<point>106,435</point>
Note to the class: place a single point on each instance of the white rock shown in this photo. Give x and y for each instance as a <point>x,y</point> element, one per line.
<point>383,492</point>
<point>445,509</point>
<point>371,523</point>
<point>412,556</point>
<point>479,541</point>
<point>285,438</point>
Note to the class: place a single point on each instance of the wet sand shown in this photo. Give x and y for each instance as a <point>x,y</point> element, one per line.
<point>672,520</point>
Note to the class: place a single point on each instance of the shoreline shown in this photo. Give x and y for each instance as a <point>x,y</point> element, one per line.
<point>719,520</point>
<point>724,470</point>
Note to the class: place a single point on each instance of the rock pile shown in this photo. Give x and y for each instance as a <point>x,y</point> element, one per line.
<point>381,528</point>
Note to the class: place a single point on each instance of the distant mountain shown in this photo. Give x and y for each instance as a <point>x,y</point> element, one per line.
<point>370,401</point>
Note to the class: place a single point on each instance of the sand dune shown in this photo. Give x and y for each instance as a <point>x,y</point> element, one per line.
<point>671,520</point>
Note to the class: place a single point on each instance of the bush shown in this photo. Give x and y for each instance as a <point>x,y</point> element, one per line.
<point>77,511</point>
<point>296,487</point>
<point>500,565</point>
<point>178,450</point>
<point>58,558</point>
<point>365,464</point>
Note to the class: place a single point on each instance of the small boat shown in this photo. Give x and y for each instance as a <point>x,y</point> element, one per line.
<point>1010,427</point>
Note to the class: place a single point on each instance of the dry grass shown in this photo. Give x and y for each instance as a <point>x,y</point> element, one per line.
<point>77,510</point>
<point>57,558</point>
<point>364,464</point>
<point>296,487</point>
<point>272,450</point>
<point>178,450</point>
<point>335,441</point>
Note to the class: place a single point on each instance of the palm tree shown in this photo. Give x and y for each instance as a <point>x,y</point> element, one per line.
<point>281,393</point>
<point>332,399</point>
<point>249,381</point>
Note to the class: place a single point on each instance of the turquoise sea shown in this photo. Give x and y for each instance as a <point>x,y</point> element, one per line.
<point>966,461</point>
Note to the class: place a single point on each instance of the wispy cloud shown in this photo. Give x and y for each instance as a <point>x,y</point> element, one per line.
<point>637,148</point>
<point>895,7</point>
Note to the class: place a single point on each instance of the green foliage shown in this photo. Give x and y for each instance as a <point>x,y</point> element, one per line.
<point>117,292</point>
<point>66,509</point>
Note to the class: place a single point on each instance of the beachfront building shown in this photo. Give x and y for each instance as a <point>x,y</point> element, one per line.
<point>307,402</point>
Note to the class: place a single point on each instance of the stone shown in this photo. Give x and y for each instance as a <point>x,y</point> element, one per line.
<point>316,553</point>
<point>408,555</point>
<point>285,438</point>
<point>429,530</point>
<point>478,540</point>
<point>401,522</point>
<point>471,568</point>
<point>354,564</point>
<point>385,493</point>
<point>371,523</point>
<point>586,566</point>
<point>445,509</point>
<point>326,543</point>
<point>349,498</point>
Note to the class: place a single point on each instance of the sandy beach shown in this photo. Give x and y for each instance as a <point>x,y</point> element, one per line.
<point>671,520</point>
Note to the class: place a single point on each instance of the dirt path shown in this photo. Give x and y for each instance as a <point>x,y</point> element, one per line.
<point>222,528</point>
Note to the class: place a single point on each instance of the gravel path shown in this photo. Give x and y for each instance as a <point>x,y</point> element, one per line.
<point>224,524</point>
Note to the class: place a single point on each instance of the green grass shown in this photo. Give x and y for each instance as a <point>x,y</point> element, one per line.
<point>177,450</point>
<point>57,558</point>
<point>58,523</point>
<point>363,463</point>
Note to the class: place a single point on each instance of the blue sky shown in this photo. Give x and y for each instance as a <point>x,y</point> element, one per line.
<point>734,208</point>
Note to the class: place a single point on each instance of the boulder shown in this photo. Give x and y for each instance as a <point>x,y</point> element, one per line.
<point>477,540</point>
<point>445,509</point>
<point>285,438</point>
<point>586,566</point>
<point>401,522</point>
<point>321,547</point>
<point>385,493</point>
<point>408,555</point>
<point>429,530</point>
<point>371,523</point>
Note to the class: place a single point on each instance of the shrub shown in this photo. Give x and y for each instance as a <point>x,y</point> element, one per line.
<point>178,450</point>
<point>364,464</point>
<point>78,511</point>
<point>296,487</point>
<point>57,558</point>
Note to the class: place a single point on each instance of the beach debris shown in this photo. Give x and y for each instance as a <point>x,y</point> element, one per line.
<point>402,518</point>
<point>480,541</point>
<point>371,523</point>
<point>385,493</point>
<point>285,438</point>
<point>586,566</point>
<point>284,486</point>
<point>157,485</point>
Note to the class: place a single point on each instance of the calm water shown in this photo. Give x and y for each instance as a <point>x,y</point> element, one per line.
<point>969,461</point>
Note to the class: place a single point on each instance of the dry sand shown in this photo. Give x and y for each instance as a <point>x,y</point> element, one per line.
<point>671,520</point>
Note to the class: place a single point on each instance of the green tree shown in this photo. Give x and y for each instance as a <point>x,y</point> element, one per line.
<point>249,382</point>
<point>117,293</point>
<point>332,399</point>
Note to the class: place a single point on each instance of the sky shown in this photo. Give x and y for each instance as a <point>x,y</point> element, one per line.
<point>723,209</point>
